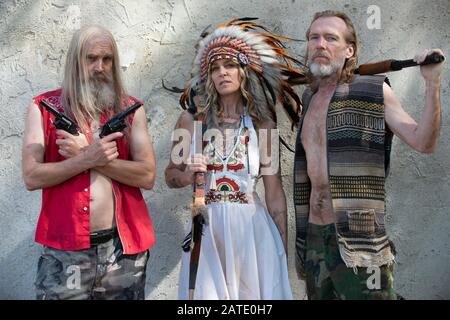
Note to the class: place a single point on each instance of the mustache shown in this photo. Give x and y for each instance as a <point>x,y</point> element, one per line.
<point>101,77</point>
<point>321,54</point>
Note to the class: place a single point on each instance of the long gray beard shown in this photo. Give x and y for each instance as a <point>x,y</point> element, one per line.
<point>101,93</point>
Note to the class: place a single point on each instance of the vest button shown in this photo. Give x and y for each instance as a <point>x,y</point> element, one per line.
<point>85,209</point>
<point>86,190</point>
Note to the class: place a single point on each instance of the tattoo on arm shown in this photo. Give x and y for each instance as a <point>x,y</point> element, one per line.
<point>175,172</point>
<point>173,175</point>
<point>280,219</point>
<point>175,183</point>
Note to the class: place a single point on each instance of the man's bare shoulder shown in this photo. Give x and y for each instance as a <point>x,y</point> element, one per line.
<point>389,97</point>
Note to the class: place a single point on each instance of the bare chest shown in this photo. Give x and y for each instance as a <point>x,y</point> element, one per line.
<point>314,124</point>
<point>314,140</point>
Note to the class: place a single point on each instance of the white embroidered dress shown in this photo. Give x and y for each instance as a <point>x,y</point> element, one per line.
<point>242,254</point>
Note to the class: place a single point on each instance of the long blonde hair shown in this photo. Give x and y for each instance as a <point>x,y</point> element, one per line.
<point>76,99</point>
<point>260,111</point>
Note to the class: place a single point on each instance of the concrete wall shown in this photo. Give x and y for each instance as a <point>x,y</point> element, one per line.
<point>156,41</point>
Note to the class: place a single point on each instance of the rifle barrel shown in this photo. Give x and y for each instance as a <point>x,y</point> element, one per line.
<point>395,65</point>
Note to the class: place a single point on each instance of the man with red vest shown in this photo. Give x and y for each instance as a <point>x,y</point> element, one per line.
<point>94,224</point>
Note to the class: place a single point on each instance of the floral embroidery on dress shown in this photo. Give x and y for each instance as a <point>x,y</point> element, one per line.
<point>225,188</point>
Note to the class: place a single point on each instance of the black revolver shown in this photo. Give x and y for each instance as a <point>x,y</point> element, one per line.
<point>61,121</point>
<point>117,123</point>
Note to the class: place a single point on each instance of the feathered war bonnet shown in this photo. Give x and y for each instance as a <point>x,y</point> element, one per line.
<point>255,49</point>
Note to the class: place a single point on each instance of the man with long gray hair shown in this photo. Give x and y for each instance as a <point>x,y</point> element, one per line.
<point>94,224</point>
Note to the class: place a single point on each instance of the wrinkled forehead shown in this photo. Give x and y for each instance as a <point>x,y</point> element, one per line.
<point>99,44</point>
<point>329,25</point>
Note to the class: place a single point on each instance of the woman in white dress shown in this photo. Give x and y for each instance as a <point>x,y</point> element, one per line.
<point>242,251</point>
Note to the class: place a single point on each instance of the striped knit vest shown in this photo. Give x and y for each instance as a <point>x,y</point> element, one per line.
<point>358,150</point>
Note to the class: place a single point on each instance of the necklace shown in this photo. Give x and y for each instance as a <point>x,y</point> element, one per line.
<point>231,117</point>
<point>230,135</point>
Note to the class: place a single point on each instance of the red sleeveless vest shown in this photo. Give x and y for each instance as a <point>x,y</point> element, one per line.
<point>64,221</point>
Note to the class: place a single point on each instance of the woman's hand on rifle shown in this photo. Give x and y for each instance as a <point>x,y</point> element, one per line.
<point>196,163</point>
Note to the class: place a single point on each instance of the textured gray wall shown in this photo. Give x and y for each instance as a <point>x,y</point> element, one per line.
<point>156,41</point>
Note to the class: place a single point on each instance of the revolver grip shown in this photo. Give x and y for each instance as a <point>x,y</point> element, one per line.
<point>106,130</point>
<point>63,125</point>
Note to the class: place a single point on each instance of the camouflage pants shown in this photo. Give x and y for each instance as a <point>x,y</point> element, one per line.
<point>98,273</point>
<point>327,276</point>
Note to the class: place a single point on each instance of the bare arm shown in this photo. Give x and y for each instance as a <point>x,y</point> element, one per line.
<point>181,173</point>
<point>422,136</point>
<point>38,175</point>
<point>276,204</point>
<point>141,170</point>
<point>274,193</point>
